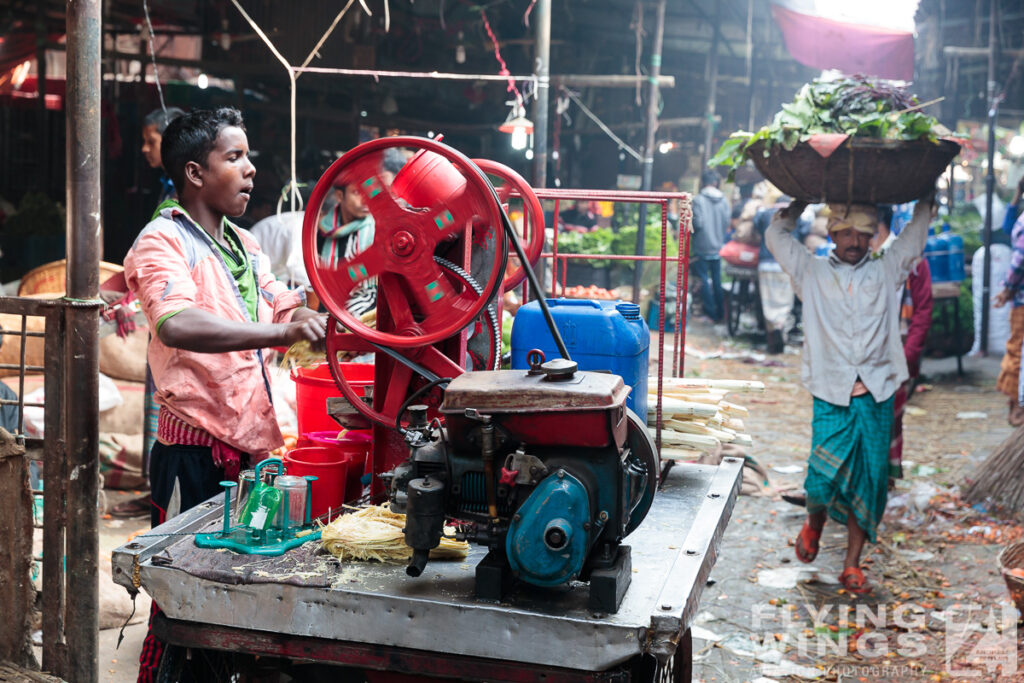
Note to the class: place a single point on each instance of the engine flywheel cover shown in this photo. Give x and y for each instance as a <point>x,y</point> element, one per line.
<point>547,543</point>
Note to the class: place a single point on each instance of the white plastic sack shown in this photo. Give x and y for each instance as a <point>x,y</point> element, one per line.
<point>283,387</point>
<point>109,397</point>
<point>998,318</point>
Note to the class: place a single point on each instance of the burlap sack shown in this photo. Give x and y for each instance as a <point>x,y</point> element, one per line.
<point>125,357</point>
<point>127,417</point>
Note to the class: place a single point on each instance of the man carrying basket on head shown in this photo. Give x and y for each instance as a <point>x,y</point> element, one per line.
<point>853,363</point>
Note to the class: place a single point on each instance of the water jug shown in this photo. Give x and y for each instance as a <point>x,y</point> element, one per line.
<point>955,271</point>
<point>937,256</point>
<point>599,335</point>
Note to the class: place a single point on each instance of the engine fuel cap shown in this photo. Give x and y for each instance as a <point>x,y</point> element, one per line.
<point>559,368</point>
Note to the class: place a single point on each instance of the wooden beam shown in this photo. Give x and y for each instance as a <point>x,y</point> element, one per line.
<point>977,52</point>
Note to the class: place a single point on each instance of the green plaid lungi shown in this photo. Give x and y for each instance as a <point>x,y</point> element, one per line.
<point>848,471</point>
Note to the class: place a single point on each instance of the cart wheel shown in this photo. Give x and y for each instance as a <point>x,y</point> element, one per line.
<point>192,665</point>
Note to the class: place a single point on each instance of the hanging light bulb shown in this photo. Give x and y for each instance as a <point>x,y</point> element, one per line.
<point>460,51</point>
<point>519,138</point>
<point>203,81</point>
<point>518,125</point>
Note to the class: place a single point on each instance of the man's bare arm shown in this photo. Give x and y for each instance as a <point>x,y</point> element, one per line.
<point>197,330</point>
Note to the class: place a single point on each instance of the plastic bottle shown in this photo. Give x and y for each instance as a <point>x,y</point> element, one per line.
<point>261,508</point>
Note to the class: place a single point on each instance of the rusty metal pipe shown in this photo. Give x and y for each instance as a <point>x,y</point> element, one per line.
<point>54,484</point>
<point>81,351</point>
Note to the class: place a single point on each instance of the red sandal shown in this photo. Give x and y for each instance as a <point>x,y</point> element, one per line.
<point>853,580</point>
<point>806,545</point>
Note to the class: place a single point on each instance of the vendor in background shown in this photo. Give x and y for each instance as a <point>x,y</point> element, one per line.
<point>1014,208</point>
<point>213,306</point>
<point>853,364</point>
<point>915,321</point>
<point>1009,373</point>
<point>153,127</point>
<point>346,230</point>
<point>711,218</point>
<point>775,286</point>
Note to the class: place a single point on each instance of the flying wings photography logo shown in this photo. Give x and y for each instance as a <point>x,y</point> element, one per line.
<point>981,641</point>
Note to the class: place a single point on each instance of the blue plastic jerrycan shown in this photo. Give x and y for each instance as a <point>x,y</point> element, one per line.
<point>599,335</point>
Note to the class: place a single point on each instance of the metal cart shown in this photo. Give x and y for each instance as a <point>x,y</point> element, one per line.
<point>302,609</point>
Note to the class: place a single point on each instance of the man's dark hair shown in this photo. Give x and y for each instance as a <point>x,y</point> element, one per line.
<point>709,177</point>
<point>161,118</point>
<point>885,215</point>
<point>192,137</point>
<point>394,160</point>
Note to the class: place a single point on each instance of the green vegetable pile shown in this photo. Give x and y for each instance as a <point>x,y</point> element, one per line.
<point>852,105</point>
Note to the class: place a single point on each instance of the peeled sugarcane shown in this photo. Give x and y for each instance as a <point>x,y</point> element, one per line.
<point>674,406</point>
<point>687,427</point>
<point>697,442</point>
<point>671,453</point>
<point>696,416</point>
<point>736,385</point>
<point>712,398</point>
<point>732,410</point>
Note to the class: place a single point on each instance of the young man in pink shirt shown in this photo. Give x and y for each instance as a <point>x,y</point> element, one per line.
<point>213,306</point>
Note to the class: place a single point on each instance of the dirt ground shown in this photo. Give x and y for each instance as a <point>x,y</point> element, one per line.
<point>939,611</point>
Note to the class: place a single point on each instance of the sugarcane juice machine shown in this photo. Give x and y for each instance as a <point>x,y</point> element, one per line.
<point>546,467</point>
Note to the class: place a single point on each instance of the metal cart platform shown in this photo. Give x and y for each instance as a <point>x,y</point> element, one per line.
<point>305,606</point>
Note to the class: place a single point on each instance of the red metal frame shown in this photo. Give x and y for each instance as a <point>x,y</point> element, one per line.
<point>681,259</point>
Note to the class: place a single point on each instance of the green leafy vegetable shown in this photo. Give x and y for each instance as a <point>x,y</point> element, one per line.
<point>853,105</point>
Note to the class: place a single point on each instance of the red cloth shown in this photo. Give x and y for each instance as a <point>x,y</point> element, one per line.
<point>851,48</point>
<point>920,285</point>
<point>173,430</point>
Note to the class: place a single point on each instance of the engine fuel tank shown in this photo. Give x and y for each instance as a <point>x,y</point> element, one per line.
<point>577,408</point>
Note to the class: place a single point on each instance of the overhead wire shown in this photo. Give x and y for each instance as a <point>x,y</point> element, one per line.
<point>600,124</point>
<point>152,56</point>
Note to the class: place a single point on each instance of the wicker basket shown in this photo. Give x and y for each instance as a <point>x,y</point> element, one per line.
<point>860,170</point>
<point>1012,557</point>
<point>49,278</point>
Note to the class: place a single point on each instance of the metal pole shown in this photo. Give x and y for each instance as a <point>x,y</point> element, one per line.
<point>55,646</point>
<point>41,127</point>
<point>750,64</point>
<point>990,177</point>
<point>651,130</point>
<point>542,70</point>
<point>81,380</point>
<point>712,76</point>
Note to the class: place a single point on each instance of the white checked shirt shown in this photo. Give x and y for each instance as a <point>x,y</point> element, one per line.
<point>850,312</point>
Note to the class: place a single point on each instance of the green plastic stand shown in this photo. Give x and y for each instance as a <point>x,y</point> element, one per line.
<point>245,541</point>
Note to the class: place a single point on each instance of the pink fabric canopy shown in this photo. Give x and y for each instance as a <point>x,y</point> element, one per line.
<point>851,48</point>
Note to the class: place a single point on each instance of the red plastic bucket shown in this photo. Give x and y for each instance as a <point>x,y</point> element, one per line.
<point>353,446</point>
<point>331,469</point>
<point>313,386</point>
